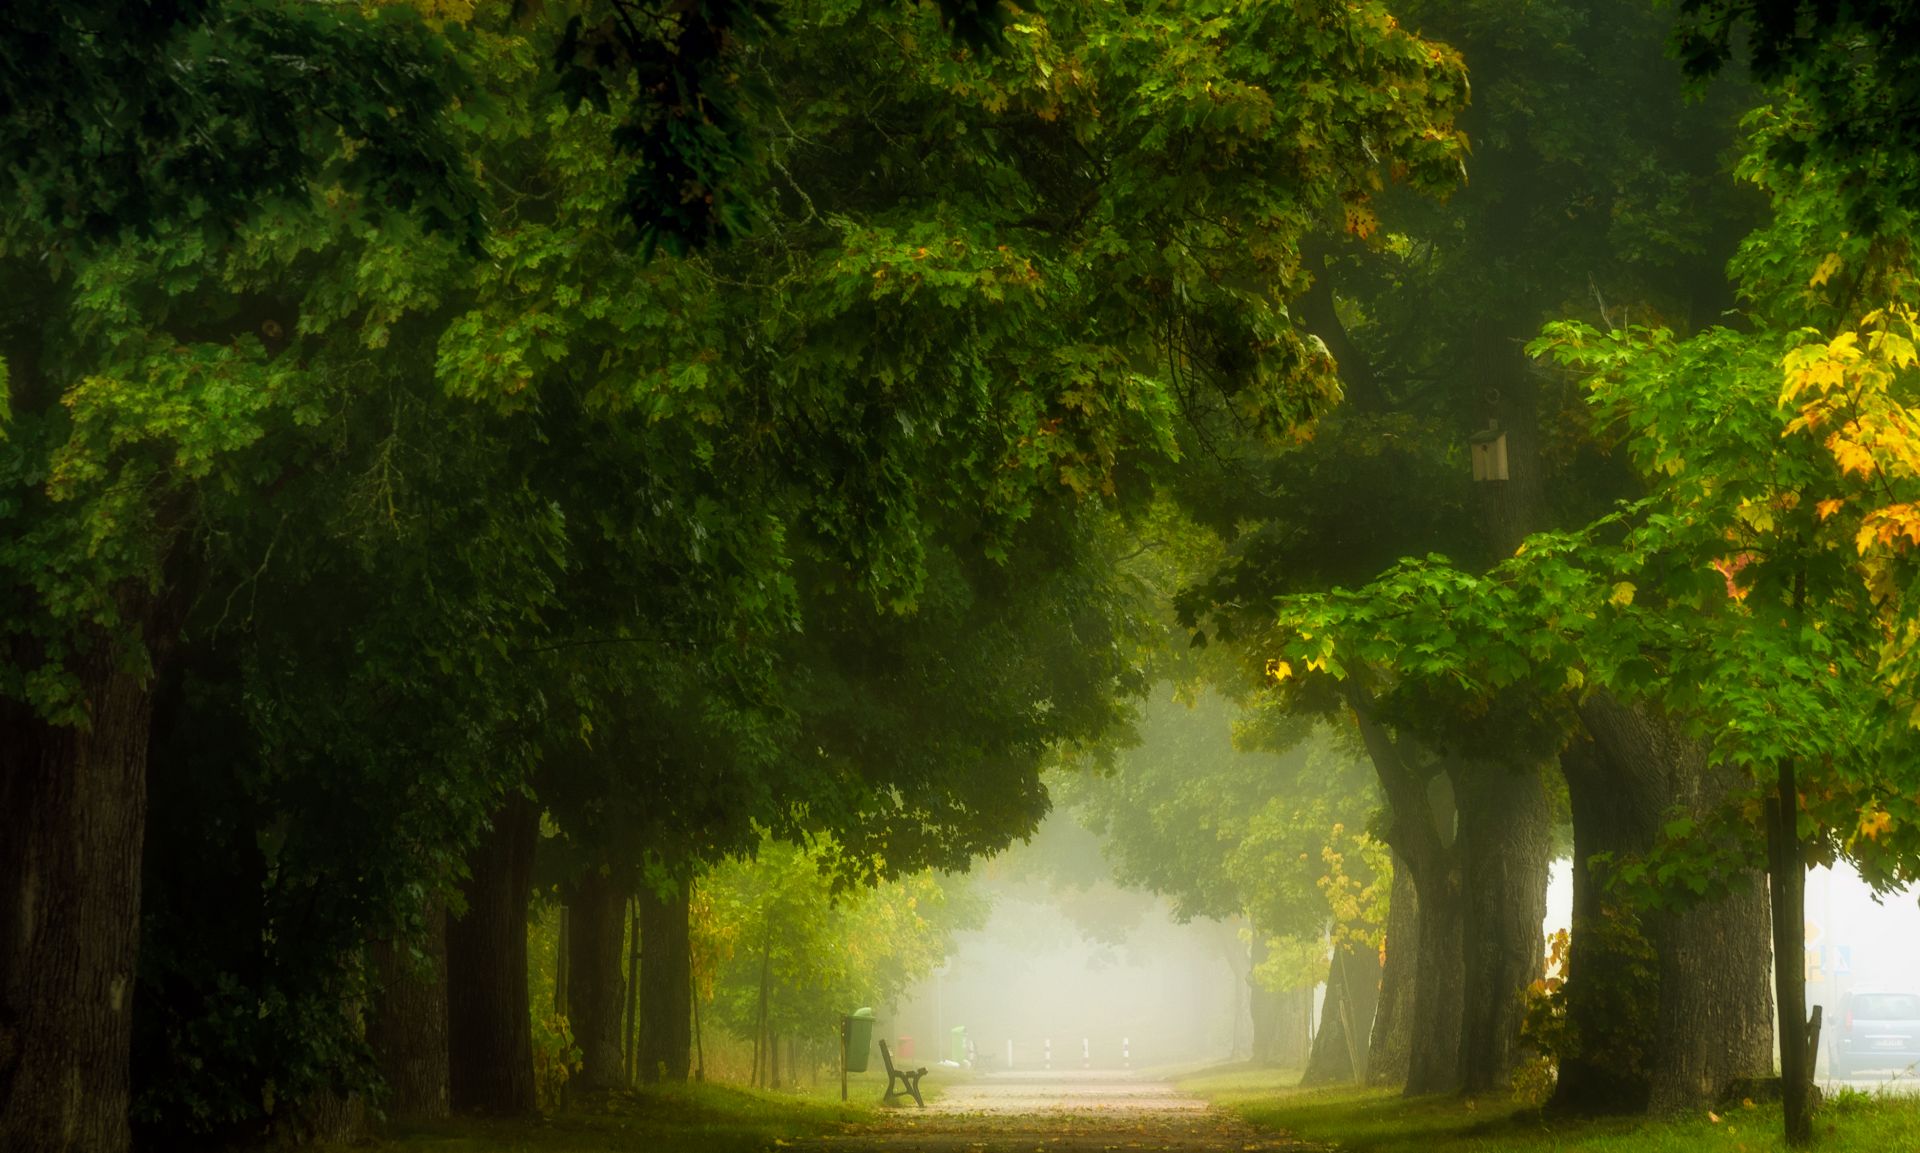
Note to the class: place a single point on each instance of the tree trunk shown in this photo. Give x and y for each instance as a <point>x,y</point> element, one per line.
<point>73,805</point>
<point>1433,1063</point>
<point>629,1037</point>
<point>1327,1062</point>
<point>666,986</point>
<point>1712,1018</point>
<point>1787,877</point>
<point>596,990</point>
<point>489,1027</point>
<point>1610,995</point>
<point>1391,1045</point>
<point>1262,1003</point>
<point>1715,1026</point>
<point>408,1032</point>
<point>1506,838</point>
<point>1423,833</point>
<point>330,1117</point>
<point>1346,1019</point>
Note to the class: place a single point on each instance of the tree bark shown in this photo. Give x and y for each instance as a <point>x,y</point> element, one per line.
<point>1506,838</point>
<point>73,805</point>
<point>1433,1062</point>
<point>1787,877</point>
<point>1391,1044</point>
<point>1715,1026</point>
<point>1339,1056</point>
<point>1422,832</point>
<point>1609,993</point>
<point>1327,1062</point>
<point>666,986</point>
<point>489,1027</point>
<point>595,987</point>
<point>1712,1019</point>
<point>408,1031</point>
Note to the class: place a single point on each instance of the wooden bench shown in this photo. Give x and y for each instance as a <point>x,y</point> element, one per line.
<point>909,1079</point>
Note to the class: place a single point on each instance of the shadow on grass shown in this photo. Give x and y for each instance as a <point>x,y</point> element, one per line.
<point>695,1118</point>
<point>1381,1121</point>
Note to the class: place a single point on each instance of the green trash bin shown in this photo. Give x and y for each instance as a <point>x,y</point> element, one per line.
<point>957,1045</point>
<point>859,1027</point>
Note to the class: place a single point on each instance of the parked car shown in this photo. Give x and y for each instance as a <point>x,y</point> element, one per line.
<point>1874,1030</point>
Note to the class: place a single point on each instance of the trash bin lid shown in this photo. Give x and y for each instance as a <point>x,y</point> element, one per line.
<point>866,1013</point>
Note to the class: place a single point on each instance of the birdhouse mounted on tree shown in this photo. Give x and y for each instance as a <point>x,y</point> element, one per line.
<point>1489,447</point>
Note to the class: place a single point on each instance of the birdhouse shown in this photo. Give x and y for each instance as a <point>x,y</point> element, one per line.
<point>1489,447</point>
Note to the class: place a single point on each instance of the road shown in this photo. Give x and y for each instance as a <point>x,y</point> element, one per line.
<point>1905,1082</point>
<point>1062,1112</point>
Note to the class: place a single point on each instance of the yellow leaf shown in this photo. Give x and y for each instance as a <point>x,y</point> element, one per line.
<point>1874,823</point>
<point>1827,508</point>
<point>1829,264</point>
<point>1278,671</point>
<point>1851,456</point>
<point>1361,221</point>
<point>1622,594</point>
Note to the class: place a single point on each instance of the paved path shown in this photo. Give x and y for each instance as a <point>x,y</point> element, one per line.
<point>1059,1113</point>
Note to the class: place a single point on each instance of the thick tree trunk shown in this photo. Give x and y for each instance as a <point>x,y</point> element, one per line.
<point>1506,837</point>
<point>1433,1061</point>
<point>597,991</point>
<point>489,1027</point>
<point>1423,833</point>
<point>666,986</point>
<point>332,1118</point>
<point>1391,1044</point>
<point>1715,1025</point>
<point>408,1030</point>
<point>72,819</point>
<point>1610,995</point>
<point>1708,1020</point>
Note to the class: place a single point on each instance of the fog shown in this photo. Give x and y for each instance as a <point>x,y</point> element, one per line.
<point>1105,975</point>
<point>1071,971</point>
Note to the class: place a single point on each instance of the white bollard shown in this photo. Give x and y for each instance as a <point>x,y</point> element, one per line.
<point>1126,1053</point>
<point>1009,1054</point>
<point>1048,1063</point>
<point>1086,1054</point>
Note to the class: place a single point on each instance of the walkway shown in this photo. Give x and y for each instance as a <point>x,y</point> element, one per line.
<point>1062,1112</point>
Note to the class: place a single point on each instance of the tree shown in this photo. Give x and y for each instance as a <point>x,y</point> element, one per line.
<point>1733,596</point>
<point>976,338</point>
<point>791,954</point>
<point>1243,833</point>
<point>1427,321</point>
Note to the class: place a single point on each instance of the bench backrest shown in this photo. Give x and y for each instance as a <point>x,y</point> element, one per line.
<point>886,1056</point>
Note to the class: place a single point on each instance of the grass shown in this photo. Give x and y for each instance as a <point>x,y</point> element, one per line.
<point>1380,1121</point>
<point>695,1118</point>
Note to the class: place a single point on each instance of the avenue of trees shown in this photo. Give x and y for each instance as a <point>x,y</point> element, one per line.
<point>459,450</point>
